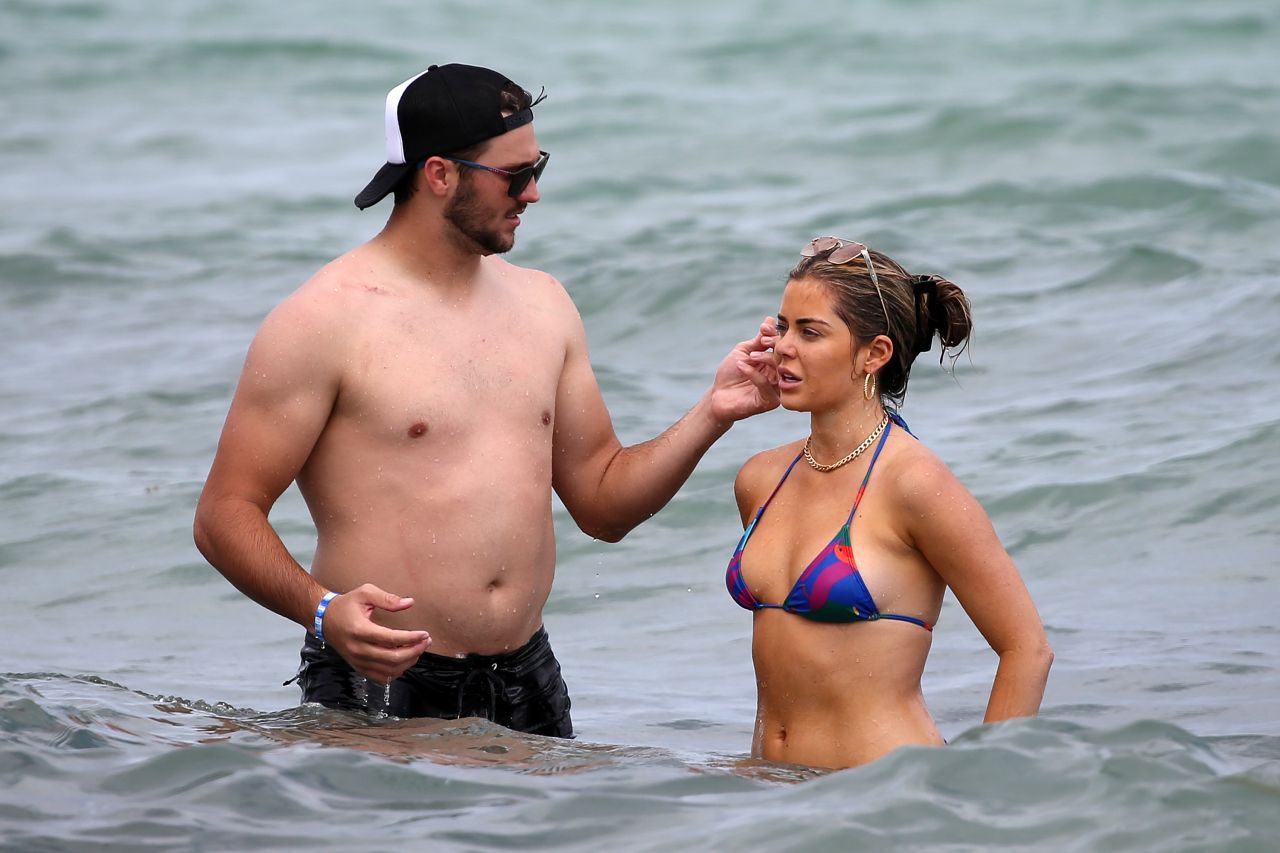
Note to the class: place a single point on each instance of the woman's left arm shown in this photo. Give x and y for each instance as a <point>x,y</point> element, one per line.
<point>951,529</point>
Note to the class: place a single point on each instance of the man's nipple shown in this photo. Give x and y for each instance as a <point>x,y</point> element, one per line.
<point>418,430</point>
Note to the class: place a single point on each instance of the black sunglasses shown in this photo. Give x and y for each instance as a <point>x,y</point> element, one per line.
<point>519,179</point>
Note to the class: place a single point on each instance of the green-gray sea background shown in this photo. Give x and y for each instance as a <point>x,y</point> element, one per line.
<point>1103,179</point>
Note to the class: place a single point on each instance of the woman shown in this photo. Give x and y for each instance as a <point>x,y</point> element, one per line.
<point>840,639</point>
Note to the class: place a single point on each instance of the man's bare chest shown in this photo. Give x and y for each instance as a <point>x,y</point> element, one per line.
<point>450,385</point>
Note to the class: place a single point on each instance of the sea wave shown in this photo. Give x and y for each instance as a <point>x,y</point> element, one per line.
<point>163,770</point>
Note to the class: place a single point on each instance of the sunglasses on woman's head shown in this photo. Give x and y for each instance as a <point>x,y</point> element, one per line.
<point>845,250</point>
<point>842,252</point>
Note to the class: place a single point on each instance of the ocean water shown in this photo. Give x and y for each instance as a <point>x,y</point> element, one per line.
<point>1102,179</point>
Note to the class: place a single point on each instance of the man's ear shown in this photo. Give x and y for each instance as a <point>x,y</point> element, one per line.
<point>436,176</point>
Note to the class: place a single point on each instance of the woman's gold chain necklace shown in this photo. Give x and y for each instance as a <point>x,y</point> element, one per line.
<point>857,451</point>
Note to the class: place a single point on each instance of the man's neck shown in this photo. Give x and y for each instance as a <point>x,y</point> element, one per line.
<point>420,245</point>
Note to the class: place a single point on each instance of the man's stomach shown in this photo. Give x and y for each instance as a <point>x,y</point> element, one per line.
<point>474,549</point>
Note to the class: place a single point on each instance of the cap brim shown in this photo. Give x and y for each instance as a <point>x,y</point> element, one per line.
<point>383,182</point>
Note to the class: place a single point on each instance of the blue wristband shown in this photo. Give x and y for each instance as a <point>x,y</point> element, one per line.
<point>320,609</point>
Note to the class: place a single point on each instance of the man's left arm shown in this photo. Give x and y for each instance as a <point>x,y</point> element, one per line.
<point>610,489</point>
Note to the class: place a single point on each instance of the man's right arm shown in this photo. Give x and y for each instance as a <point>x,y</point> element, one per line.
<point>286,393</point>
<point>280,407</point>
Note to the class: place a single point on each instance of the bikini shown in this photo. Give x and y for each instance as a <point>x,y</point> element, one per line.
<point>830,589</point>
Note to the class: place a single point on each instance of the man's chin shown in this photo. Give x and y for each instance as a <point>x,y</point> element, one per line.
<point>503,241</point>
<point>492,243</point>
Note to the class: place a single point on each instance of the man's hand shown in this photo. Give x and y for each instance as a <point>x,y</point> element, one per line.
<point>379,654</point>
<point>746,382</point>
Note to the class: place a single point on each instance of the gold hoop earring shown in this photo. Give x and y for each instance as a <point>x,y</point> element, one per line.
<point>869,386</point>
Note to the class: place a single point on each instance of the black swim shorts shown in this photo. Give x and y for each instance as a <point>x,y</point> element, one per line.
<point>522,690</point>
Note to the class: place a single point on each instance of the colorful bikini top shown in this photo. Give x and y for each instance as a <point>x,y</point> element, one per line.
<point>830,589</point>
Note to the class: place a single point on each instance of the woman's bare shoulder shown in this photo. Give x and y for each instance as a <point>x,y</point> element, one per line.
<point>760,473</point>
<point>923,488</point>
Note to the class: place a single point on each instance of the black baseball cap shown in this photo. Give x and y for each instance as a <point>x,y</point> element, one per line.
<point>445,108</point>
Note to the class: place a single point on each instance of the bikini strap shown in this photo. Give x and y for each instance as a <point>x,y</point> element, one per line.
<point>867,477</point>
<point>785,475</point>
<point>746,534</point>
<point>913,620</point>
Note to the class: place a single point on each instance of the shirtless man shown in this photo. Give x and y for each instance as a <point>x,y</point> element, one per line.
<point>427,396</point>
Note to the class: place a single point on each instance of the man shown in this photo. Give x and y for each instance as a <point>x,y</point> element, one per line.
<point>427,396</point>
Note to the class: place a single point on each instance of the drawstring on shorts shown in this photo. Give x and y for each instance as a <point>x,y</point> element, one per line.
<point>487,676</point>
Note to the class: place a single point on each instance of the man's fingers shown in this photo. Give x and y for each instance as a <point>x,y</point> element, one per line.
<point>761,380</point>
<point>765,379</point>
<point>763,364</point>
<point>382,639</point>
<point>392,639</point>
<point>375,596</point>
<point>761,374</point>
<point>393,603</point>
<point>380,673</point>
<point>382,661</point>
